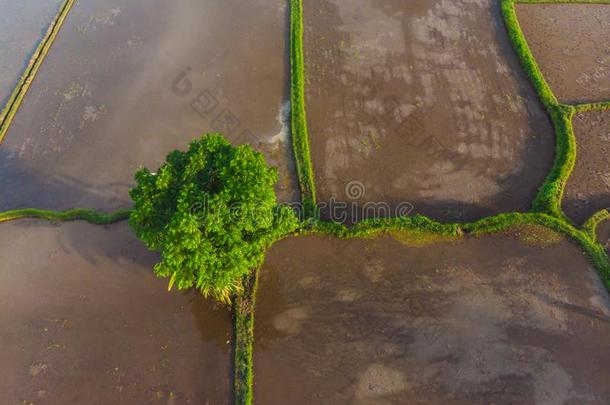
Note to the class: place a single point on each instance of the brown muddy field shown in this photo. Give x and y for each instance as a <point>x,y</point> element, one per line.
<point>483,321</point>
<point>128,81</point>
<point>23,24</point>
<point>422,102</point>
<point>571,43</point>
<point>588,189</point>
<point>84,320</point>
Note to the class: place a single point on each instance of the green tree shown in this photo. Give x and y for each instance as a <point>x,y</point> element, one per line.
<point>211,212</point>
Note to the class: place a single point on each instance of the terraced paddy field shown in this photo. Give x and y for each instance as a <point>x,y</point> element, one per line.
<point>505,320</point>
<point>84,320</point>
<point>588,189</point>
<point>422,102</point>
<point>22,25</point>
<point>571,43</point>
<point>128,81</point>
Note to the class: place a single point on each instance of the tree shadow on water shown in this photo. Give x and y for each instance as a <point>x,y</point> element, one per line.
<point>24,186</point>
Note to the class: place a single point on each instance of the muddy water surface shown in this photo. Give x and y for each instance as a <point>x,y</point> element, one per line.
<point>588,189</point>
<point>422,102</point>
<point>128,81</point>
<point>571,43</point>
<point>23,24</point>
<point>491,320</point>
<point>84,320</point>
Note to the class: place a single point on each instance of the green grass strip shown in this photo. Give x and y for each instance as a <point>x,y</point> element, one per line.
<point>84,214</point>
<point>525,55</point>
<point>243,313</point>
<point>550,195</point>
<point>590,227</point>
<point>601,106</point>
<point>16,97</point>
<point>374,227</point>
<point>300,137</point>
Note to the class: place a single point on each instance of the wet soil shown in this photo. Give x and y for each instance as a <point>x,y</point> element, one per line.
<point>499,320</point>
<point>421,103</point>
<point>588,189</point>
<point>84,320</point>
<point>23,24</point>
<point>571,43</point>
<point>128,81</point>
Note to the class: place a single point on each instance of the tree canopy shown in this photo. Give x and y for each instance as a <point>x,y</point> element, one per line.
<point>211,212</point>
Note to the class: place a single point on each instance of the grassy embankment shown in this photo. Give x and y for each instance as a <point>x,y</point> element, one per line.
<point>83,214</point>
<point>300,137</point>
<point>243,324</point>
<point>25,81</point>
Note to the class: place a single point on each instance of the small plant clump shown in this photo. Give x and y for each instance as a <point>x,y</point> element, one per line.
<point>211,212</point>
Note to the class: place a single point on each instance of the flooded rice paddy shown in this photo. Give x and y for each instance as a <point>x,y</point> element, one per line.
<point>490,320</point>
<point>84,320</point>
<point>128,81</point>
<point>588,189</point>
<point>571,43</point>
<point>422,102</point>
<point>23,24</point>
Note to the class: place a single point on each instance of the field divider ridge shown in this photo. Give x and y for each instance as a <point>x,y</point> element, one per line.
<point>28,75</point>
<point>75,214</point>
<point>300,136</point>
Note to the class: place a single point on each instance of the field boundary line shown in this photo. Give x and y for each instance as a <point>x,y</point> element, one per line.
<point>597,106</point>
<point>300,136</point>
<point>243,329</point>
<point>549,198</point>
<point>590,226</point>
<point>27,77</point>
<point>75,214</point>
